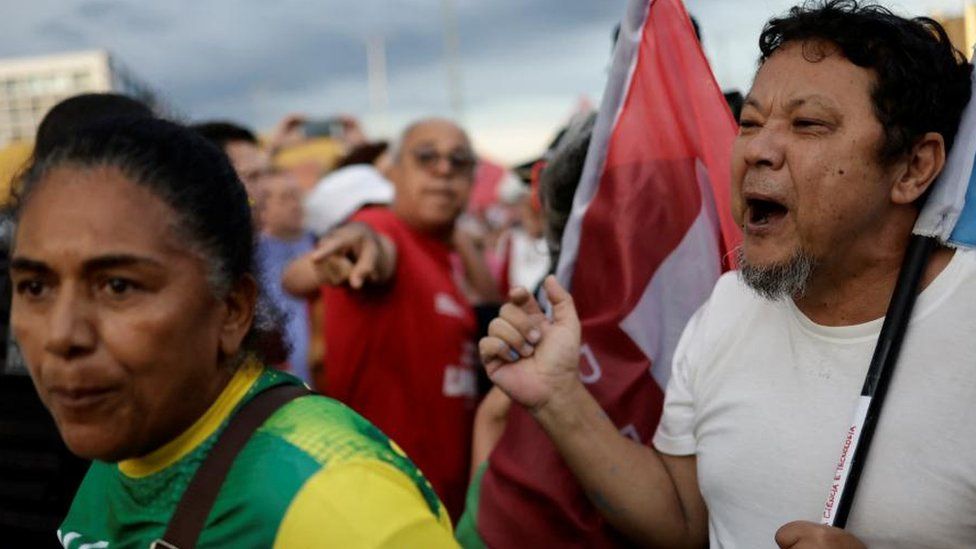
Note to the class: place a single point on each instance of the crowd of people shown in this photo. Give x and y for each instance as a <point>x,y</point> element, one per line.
<point>254,354</point>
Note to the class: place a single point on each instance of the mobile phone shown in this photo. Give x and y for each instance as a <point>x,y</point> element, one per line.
<point>327,127</point>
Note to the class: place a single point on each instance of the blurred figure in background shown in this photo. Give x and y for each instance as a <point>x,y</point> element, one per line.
<point>492,211</point>
<point>560,177</point>
<point>399,331</point>
<point>250,160</point>
<point>525,252</point>
<point>342,193</point>
<point>356,182</point>
<point>283,239</point>
<point>310,147</point>
<point>374,153</point>
<point>556,177</point>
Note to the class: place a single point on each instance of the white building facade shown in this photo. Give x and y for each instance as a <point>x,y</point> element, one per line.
<point>30,86</point>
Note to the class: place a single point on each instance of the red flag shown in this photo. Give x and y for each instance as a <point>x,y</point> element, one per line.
<point>650,233</point>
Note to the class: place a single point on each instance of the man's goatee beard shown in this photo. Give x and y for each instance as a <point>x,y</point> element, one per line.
<point>787,279</point>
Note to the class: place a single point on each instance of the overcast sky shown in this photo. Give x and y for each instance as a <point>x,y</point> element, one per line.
<point>524,64</point>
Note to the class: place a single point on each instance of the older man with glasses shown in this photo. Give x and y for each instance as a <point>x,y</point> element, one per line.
<point>399,332</point>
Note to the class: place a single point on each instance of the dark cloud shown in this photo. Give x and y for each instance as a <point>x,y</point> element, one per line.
<point>59,33</point>
<point>122,16</point>
<point>93,9</point>
<point>256,60</point>
<point>293,51</point>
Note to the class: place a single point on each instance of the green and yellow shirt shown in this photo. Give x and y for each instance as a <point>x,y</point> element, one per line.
<point>315,474</point>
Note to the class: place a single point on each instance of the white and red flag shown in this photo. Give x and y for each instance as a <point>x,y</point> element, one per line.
<point>650,233</point>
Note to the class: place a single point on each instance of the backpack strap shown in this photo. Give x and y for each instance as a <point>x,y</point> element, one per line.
<point>191,512</point>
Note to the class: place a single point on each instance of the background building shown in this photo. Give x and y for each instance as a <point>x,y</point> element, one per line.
<point>30,86</point>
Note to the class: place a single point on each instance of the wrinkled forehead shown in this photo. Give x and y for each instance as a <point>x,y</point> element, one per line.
<point>89,208</point>
<point>440,134</point>
<point>811,49</point>
<point>812,72</point>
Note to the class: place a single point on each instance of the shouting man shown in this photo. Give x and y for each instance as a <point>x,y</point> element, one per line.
<point>844,131</point>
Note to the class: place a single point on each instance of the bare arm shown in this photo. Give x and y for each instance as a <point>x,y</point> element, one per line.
<point>651,498</point>
<point>301,277</point>
<point>489,424</point>
<point>352,254</point>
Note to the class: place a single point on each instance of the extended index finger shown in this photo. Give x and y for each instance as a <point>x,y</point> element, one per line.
<point>365,266</point>
<point>336,241</point>
<point>335,270</point>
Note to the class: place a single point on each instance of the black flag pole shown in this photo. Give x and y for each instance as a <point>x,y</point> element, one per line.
<point>858,439</point>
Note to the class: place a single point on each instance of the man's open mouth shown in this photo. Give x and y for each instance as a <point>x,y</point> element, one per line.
<point>763,211</point>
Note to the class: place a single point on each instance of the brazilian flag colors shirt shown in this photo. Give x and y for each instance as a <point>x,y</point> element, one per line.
<point>315,474</point>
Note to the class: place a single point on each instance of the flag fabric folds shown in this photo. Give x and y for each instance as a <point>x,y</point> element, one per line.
<point>949,213</point>
<point>650,232</point>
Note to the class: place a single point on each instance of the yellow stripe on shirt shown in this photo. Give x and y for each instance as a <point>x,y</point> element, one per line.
<point>202,428</point>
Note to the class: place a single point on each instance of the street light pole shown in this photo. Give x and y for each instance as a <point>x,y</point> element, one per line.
<point>452,52</point>
<point>379,97</point>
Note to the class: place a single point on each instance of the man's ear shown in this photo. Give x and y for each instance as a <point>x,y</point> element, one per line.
<point>922,165</point>
<point>240,303</point>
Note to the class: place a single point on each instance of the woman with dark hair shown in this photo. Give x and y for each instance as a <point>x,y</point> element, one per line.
<point>135,306</point>
<point>78,111</point>
<point>47,472</point>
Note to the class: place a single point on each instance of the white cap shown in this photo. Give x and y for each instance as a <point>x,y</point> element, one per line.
<point>342,193</point>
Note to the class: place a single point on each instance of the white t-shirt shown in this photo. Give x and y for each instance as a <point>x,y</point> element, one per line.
<point>764,397</point>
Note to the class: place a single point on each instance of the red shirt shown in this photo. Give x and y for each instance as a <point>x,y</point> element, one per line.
<point>403,356</point>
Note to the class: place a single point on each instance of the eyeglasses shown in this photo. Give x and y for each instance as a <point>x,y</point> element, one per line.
<point>460,162</point>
